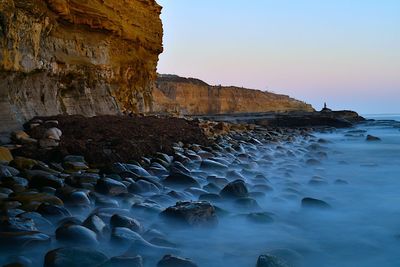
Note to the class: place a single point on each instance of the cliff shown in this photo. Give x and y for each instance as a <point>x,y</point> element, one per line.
<point>195,97</point>
<point>76,57</point>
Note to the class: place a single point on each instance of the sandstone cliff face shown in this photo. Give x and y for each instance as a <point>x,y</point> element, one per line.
<point>191,96</point>
<point>76,57</point>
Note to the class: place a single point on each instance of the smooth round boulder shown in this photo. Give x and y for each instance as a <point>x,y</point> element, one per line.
<point>192,213</point>
<point>235,189</point>
<point>74,257</point>
<point>180,180</point>
<point>76,234</point>
<point>309,202</point>
<point>110,187</point>
<point>95,223</point>
<point>127,222</point>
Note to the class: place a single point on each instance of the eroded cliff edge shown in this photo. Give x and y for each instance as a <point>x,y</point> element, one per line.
<point>76,57</point>
<point>189,96</point>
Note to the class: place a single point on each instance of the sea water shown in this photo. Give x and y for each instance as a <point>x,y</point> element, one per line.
<point>361,230</point>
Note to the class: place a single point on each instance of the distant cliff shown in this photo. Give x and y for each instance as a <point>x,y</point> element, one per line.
<point>76,57</point>
<point>195,97</point>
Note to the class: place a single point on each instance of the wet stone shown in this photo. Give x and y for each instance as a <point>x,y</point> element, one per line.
<point>235,189</point>
<point>95,223</point>
<point>127,222</point>
<point>74,257</point>
<point>270,261</point>
<point>110,187</point>
<point>76,234</point>
<point>175,261</point>
<point>181,180</point>
<point>314,203</point>
<point>196,213</point>
<point>49,210</point>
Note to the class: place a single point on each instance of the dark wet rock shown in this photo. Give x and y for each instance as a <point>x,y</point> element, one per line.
<point>50,210</point>
<point>74,257</point>
<point>76,234</point>
<point>270,261</point>
<point>64,222</point>
<point>195,191</point>
<point>78,198</point>
<point>260,217</point>
<point>175,261</point>
<point>181,180</point>
<point>127,222</point>
<point>16,224</point>
<point>196,213</point>
<point>26,239</point>
<point>235,189</point>
<point>39,179</point>
<point>110,187</point>
<point>291,257</point>
<point>75,166</point>
<point>95,223</point>
<point>123,261</point>
<point>208,164</point>
<point>314,203</point>
<point>373,138</point>
<point>178,167</point>
<point>138,170</point>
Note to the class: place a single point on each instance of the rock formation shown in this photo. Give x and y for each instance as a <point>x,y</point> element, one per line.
<point>195,97</point>
<point>76,57</point>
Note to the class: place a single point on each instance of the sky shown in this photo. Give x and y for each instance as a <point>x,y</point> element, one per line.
<point>344,52</point>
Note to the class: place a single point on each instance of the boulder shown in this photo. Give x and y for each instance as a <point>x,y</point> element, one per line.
<point>95,223</point>
<point>196,213</point>
<point>270,261</point>
<point>76,234</point>
<point>23,240</point>
<point>74,257</point>
<point>110,187</point>
<point>127,222</point>
<point>175,261</point>
<point>373,138</point>
<point>235,189</point>
<point>124,261</point>
<point>181,180</point>
<point>309,202</point>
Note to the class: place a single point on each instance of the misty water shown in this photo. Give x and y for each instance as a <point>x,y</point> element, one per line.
<point>361,229</point>
<point>360,180</point>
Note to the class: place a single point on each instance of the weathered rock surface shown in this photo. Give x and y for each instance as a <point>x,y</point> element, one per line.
<point>76,57</point>
<point>190,96</point>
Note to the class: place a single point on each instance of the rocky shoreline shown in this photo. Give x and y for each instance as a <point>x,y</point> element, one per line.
<point>62,205</point>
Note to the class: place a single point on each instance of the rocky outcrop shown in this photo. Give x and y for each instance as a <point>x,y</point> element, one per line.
<point>76,57</point>
<point>190,96</point>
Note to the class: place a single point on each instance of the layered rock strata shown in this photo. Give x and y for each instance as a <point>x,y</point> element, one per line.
<point>76,57</point>
<point>190,96</point>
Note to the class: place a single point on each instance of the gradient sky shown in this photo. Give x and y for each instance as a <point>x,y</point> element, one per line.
<point>345,52</point>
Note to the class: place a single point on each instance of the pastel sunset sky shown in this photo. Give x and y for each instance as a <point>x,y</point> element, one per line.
<point>344,52</point>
